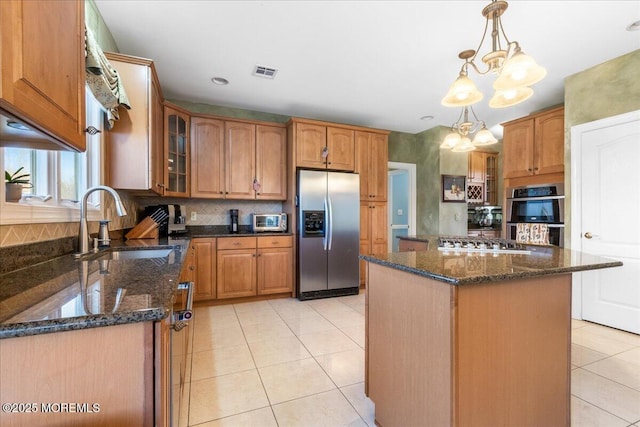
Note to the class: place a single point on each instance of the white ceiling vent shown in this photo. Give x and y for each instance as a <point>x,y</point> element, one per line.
<point>266,72</point>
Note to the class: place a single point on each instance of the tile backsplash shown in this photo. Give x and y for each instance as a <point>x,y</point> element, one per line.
<point>208,212</point>
<point>215,212</point>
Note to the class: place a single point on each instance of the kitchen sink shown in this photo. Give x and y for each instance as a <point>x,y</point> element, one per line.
<point>138,253</point>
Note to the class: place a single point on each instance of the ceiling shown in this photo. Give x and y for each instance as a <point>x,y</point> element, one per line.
<point>381,64</point>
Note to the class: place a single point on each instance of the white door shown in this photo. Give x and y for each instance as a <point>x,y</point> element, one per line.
<point>606,218</point>
<point>401,202</point>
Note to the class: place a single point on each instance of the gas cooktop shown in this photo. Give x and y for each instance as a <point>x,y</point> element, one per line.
<point>480,244</point>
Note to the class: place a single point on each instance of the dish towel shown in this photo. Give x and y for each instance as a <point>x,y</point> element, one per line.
<point>534,234</point>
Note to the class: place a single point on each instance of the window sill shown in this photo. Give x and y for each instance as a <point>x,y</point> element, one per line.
<point>38,213</point>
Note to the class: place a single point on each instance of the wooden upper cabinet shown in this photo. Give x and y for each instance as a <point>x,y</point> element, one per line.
<point>534,145</point>
<point>240,155</point>
<point>311,146</point>
<point>176,152</point>
<point>207,158</point>
<point>237,160</point>
<point>549,142</point>
<point>371,163</point>
<point>340,149</point>
<point>476,170</point>
<point>324,147</point>
<point>271,168</point>
<point>134,148</point>
<point>43,63</point>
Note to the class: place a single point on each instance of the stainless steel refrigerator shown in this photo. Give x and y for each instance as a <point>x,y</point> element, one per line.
<point>328,209</point>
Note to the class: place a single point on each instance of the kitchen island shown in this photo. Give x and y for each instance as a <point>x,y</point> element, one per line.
<point>457,338</point>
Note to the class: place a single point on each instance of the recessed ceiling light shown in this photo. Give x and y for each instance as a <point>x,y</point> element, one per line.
<point>220,81</point>
<point>634,26</point>
<point>425,118</point>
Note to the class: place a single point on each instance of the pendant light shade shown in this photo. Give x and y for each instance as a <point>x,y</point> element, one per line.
<point>515,70</point>
<point>462,92</point>
<point>507,98</point>
<point>464,146</point>
<point>451,140</point>
<point>484,137</point>
<point>519,70</point>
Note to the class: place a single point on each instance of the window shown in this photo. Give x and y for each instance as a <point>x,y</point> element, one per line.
<point>58,178</point>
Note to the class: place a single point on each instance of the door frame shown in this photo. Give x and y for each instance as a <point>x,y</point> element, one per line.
<point>411,169</point>
<point>576,193</point>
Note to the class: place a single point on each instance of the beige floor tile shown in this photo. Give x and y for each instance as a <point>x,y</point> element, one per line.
<point>344,368</point>
<point>329,409</point>
<point>616,334</point>
<point>221,361</point>
<point>598,341</point>
<point>308,324</point>
<point>252,307</point>
<point>226,395</point>
<point>618,370</point>
<point>216,314</point>
<point>631,356</point>
<point>363,405</point>
<point>611,396</point>
<point>258,317</point>
<point>216,337</point>
<point>258,418</point>
<point>264,331</point>
<point>325,342</point>
<point>584,414</point>
<point>292,380</point>
<point>350,318</point>
<point>356,333</point>
<point>291,308</point>
<point>576,323</point>
<point>277,350</point>
<point>581,356</point>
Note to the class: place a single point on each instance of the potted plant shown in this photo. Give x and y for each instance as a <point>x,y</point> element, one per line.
<point>14,183</point>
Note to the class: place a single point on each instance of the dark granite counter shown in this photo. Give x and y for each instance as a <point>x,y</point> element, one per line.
<point>65,293</point>
<point>461,268</point>
<point>223,231</point>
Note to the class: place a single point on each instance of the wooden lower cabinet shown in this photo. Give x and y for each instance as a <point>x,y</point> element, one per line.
<point>412,245</point>
<point>373,232</point>
<point>203,253</point>
<point>111,367</point>
<point>249,266</point>
<point>484,233</point>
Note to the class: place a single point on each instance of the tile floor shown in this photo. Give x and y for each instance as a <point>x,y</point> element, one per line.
<point>290,363</point>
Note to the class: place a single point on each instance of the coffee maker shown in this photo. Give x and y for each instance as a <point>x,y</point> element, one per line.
<point>234,220</point>
<point>176,223</point>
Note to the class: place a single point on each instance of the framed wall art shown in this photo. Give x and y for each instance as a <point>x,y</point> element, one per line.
<point>454,188</point>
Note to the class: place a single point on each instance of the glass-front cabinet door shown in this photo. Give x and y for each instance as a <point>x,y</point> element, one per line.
<point>176,148</point>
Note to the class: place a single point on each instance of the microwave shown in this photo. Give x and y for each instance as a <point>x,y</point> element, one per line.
<point>268,222</point>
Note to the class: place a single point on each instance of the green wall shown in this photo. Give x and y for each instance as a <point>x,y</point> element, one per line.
<point>237,113</point>
<point>101,32</point>
<point>606,90</point>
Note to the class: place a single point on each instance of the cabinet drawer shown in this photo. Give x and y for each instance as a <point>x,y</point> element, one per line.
<point>275,242</point>
<point>412,245</point>
<point>236,243</point>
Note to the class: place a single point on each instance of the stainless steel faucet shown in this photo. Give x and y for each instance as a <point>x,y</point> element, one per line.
<point>83,236</point>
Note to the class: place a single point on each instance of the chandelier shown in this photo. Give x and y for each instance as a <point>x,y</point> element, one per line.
<point>459,140</point>
<point>516,71</point>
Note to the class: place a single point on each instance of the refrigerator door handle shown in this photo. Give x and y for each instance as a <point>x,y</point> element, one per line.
<point>325,237</point>
<point>330,225</point>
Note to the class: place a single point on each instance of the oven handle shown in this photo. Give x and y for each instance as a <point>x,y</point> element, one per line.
<point>517,199</point>
<point>181,317</point>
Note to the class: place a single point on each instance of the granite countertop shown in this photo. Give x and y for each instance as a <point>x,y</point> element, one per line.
<point>223,231</point>
<point>461,268</point>
<point>65,293</point>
